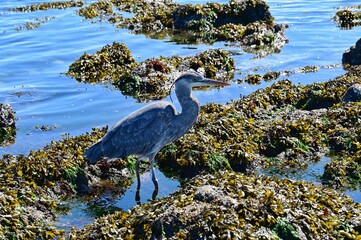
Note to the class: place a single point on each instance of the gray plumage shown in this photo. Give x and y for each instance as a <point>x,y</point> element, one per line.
<point>145,131</point>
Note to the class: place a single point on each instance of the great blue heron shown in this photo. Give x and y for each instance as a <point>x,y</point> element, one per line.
<point>144,132</point>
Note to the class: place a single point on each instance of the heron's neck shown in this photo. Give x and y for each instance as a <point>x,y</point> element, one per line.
<point>189,104</point>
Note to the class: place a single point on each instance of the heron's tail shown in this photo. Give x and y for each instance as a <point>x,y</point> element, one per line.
<point>94,153</point>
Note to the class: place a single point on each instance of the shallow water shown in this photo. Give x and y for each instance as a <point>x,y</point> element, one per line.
<point>32,64</point>
<point>82,213</point>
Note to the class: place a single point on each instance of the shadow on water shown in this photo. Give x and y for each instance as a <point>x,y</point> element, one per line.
<point>82,213</point>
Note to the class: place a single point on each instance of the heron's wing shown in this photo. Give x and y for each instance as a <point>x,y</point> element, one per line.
<point>139,132</point>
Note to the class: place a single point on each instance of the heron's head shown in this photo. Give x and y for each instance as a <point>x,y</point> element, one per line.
<point>196,80</point>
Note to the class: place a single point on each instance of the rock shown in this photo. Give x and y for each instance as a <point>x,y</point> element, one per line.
<point>7,125</point>
<point>353,94</point>
<point>7,116</point>
<point>352,56</point>
<point>209,193</point>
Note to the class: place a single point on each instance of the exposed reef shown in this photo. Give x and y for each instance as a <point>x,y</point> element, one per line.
<point>230,205</point>
<point>7,125</point>
<point>248,23</point>
<point>152,78</point>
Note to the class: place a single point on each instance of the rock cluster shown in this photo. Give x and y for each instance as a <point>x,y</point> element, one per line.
<point>247,22</point>
<point>152,78</point>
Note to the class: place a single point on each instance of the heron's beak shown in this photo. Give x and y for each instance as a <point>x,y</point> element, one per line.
<point>211,82</point>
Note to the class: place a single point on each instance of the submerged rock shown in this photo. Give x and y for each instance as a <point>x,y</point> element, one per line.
<point>233,206</point>
<point>7,125</point>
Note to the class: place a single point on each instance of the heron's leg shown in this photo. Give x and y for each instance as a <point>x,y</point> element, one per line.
<point>137,194</point>
<point>154,179</point>
<point>137,172</point>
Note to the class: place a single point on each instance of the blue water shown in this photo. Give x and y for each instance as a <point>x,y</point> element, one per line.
<point>32,63</point>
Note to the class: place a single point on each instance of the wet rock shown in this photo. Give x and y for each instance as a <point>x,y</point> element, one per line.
<point>7,125</point>
<point>353,94</point>
<point>352,56</point>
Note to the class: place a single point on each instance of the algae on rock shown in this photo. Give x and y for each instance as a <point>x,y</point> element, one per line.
<point>248,22</point>
<point>152,78</point>
<point>49,5</point>
<point>231,205</point>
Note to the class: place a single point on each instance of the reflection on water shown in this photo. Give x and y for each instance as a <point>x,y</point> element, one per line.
<point>311,174</point>
<point>81,214</point>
